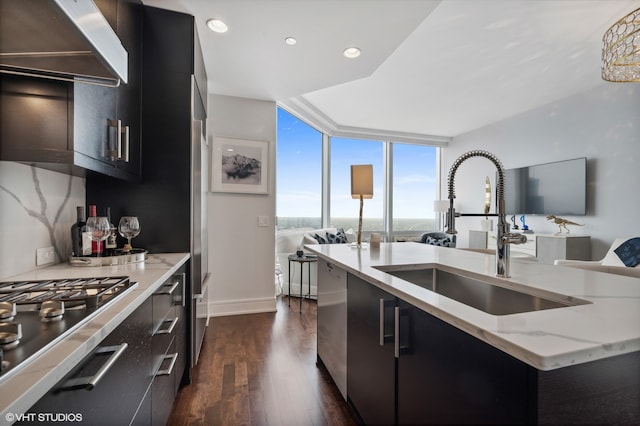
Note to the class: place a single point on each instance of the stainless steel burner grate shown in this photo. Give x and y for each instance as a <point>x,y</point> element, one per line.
<point>91,292</point>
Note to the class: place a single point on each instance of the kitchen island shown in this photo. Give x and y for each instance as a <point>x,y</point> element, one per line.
<point>598,329</point>
<point>22,387</point>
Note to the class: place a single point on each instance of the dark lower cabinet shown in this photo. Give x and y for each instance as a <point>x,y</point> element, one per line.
<point>370,364</point>
<point>117,397</point>
<point>447,376</point>
<point>141,384</point>
<point>405,366</point>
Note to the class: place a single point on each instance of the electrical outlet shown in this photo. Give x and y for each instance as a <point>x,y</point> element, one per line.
<point>44,256</point>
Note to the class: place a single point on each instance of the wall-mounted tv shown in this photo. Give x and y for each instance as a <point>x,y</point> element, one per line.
<point>558,188</point>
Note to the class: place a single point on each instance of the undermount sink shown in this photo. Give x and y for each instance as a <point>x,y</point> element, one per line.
<point>476,293</point>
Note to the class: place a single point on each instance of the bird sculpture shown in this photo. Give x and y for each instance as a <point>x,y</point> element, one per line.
<point>562,223</point>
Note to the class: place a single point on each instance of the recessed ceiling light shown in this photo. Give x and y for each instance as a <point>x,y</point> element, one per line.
<point>351,52</point>
<point>216,25</point>
<point>290,41</point>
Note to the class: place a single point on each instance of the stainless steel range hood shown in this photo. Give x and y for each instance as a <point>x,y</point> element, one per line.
<point>60,39</point>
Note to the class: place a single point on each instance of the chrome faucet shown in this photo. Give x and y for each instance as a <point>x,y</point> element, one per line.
<point>504,237</point>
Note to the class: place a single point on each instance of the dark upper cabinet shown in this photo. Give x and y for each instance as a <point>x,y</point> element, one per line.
<point>107,121</point>
<point>74,127</point>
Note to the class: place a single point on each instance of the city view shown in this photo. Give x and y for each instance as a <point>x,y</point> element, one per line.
<point>404,177</point>
<point>418,225</point>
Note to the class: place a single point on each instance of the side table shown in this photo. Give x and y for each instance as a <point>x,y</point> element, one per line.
<point>308,259</point>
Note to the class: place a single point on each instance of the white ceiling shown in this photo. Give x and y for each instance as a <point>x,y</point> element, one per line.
<point>428,68</point>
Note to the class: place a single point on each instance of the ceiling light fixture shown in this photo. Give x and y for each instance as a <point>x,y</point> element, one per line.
<point>621,50</point>
<point>290,41</point>
<point>217,26</point>
<point>351,52</point>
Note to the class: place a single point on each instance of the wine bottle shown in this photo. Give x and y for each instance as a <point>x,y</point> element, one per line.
<point>96,246</point>
<point>110,242</point>
<point>76,233</point>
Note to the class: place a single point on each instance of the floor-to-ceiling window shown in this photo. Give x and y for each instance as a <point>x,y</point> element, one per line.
<point>299,173</point>
<point>405,182</point>
<point>414,187</point>
<point>344,209</point>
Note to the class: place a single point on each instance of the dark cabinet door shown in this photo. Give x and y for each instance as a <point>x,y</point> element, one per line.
<point>107,120</point>
<point>34,120</point>
<point>128,100</point>
<point>447,376</point>
<point>370,365</point>
<point>117,398</point>
<point>94,114</point>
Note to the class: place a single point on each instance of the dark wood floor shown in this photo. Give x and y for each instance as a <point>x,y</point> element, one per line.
<point>260,369</point>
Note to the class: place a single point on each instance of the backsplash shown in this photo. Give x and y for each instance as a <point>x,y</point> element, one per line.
<point>37,209</point>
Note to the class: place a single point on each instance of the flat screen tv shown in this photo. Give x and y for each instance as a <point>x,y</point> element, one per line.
<point>558,188</point>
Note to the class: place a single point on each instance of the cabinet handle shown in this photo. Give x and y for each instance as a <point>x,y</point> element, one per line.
<point>381,322</point>
<point>89,382</point>
<point>168,371</point>
<point>114,147</point>
<point>169,329</point>
<point>396,323</point>
<point>383,337</point>
<point>171,289</point>
<point>124,157</point>
<point>398,313</point>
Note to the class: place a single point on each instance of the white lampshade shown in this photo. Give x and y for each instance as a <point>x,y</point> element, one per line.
<point>362,181</point>
<point>440,206</point>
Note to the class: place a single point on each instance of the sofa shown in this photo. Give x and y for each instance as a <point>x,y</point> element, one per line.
<point>288,241</point>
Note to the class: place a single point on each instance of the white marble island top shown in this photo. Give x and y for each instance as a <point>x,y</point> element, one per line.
<point>548,339</point>
<point>26,384</point>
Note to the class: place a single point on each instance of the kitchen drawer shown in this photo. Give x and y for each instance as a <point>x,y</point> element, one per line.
<point>181,345</point>
<point>162,389</point>
<point>123,385</point>
<point>167,295</point>
<point>163,336</point>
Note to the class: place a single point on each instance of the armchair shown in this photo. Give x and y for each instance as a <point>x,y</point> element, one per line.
<point>610,263</point>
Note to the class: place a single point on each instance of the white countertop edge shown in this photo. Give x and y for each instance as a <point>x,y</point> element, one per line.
<point>419,297</point>
<point>22,388</point>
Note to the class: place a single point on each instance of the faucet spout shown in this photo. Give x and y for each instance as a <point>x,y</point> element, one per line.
<point>504,237</point>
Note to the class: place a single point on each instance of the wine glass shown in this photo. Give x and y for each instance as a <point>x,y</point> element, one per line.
<point>98,228</point>
<point>129,227</point>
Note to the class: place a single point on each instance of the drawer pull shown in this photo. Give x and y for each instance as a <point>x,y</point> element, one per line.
<point>171,289</point>
<point>89,382</point>
<point>168,371</point>
<point>169,329</point>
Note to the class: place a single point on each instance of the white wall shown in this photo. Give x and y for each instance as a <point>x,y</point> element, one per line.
<point>602,124</point>
<point>241,254</point>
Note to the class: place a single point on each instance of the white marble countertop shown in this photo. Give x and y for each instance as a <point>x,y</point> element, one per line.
<point>546,339</point>
<point>25,385</point>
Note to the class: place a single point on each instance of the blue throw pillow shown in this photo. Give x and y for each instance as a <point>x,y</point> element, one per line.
<point>629,252</point>
<point>319,239</point>
<point>442,242</point>
<point>338,238</point>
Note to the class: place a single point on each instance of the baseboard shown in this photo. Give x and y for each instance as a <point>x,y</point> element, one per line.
<point>295,290</point>
<point>242,306</point>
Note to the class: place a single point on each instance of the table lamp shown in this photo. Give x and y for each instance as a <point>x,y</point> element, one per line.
<point>361,187</point>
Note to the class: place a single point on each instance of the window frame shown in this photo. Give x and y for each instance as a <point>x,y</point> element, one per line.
<point>387,161</point>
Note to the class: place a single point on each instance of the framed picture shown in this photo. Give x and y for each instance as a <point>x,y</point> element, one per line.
<point>239,165</point>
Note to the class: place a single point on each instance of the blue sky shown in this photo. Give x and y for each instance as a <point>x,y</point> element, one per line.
<point>299,174</point>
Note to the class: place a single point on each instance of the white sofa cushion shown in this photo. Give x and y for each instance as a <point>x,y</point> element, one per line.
<point>288,241</point>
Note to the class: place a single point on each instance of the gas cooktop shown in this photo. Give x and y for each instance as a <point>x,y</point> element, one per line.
<point>34,315</point>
